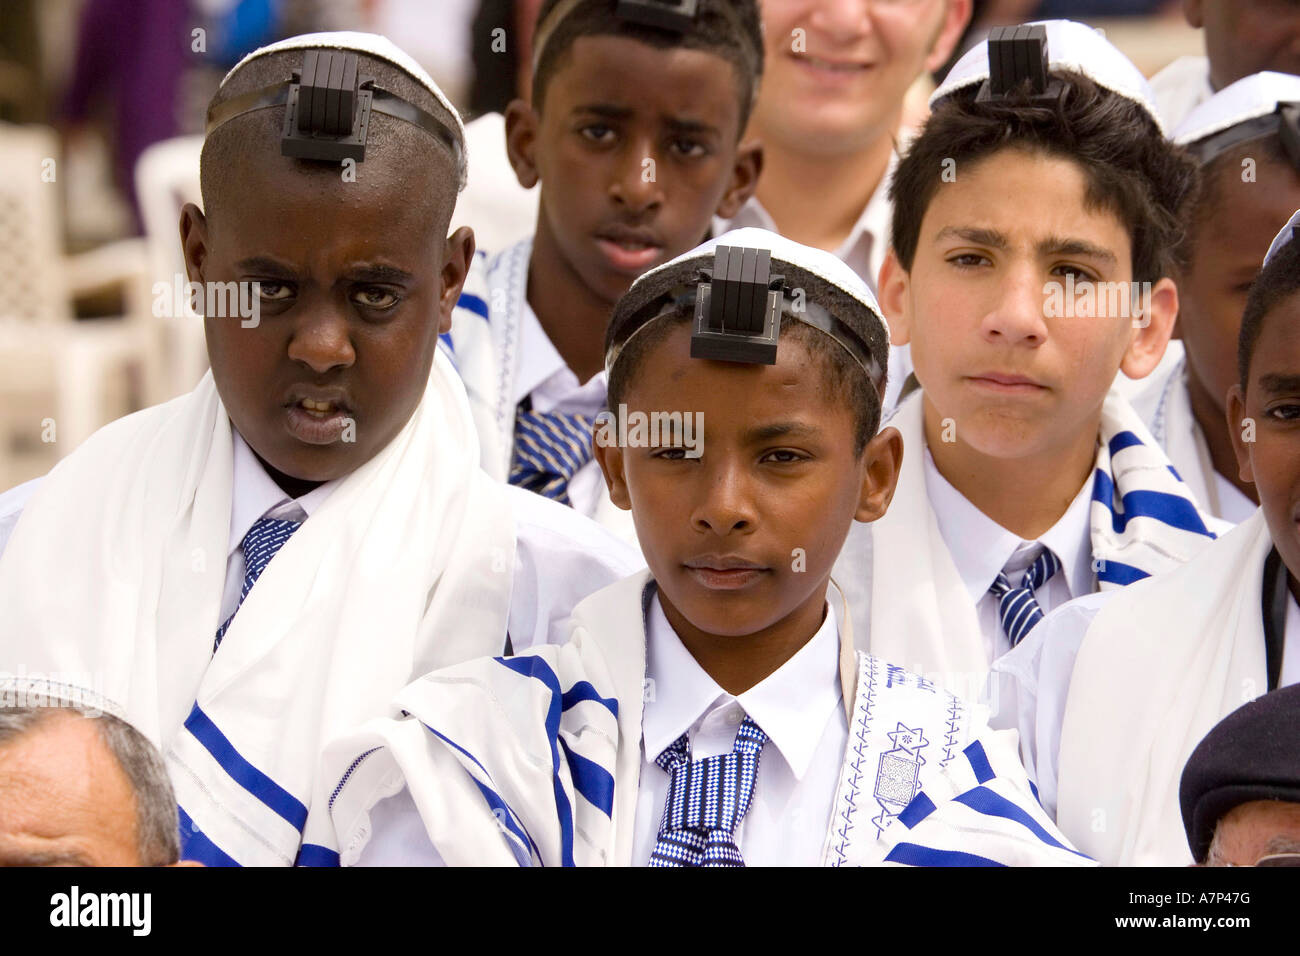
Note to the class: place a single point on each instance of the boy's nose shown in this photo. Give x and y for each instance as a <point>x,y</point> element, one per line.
<point>322,339</point>
<point>1018,316</point>
<point>725,506</point>
<point>842,20</point>
<point>636,179</point>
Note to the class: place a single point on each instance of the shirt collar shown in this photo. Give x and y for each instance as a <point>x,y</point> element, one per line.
<point>981,547</point>
<point>541,364</point>
<point>255,494</point>
<point>791,704</point>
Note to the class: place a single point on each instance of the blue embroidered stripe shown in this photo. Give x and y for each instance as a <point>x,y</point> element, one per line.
<point>529,665</point>
<point>311,854</point>
<point>584,691</point>
<point>244,773</point>
<point>473,304</point>
<point>913,855</point>
<point>1117,572</point>
<point>916,811</point>
<point>979,762</point>
<point>991,804</point>
<point>196,846</point>
<point>501,812</point>
<point>1173,510</point>
<point>1121,440</point>
<point>590,779</point>
<point>347,774</point>
<point>505,816</point>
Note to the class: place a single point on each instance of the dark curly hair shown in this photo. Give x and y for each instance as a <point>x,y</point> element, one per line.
<point>1278,281</point>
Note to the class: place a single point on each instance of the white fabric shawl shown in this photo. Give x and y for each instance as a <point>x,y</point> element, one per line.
<point>1160,665</point>
<point>113,578</point>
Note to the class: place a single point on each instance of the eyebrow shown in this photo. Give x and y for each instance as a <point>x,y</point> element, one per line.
<point>1274,383</point>
<point>43,858</point>
<point>361,273</point>
<point>780,430</point>
<point>265,265</point>
<point>1052,245</point>
<point>675,123</point>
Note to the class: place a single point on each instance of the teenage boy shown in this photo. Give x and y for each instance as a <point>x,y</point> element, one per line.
<point>711,711</point>
<point>631,174</point>
<point>1033,217</point>
<point>1247,142</point>
<point>1115,693</point>
<point>255,566</point>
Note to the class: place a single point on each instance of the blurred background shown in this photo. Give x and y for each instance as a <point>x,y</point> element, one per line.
<point>101,115</point>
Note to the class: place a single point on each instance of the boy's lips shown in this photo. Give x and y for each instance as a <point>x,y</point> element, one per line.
<point>1007,383</point>
<point>724,572</point>
<point>317,416</point>
<point>630,250</point>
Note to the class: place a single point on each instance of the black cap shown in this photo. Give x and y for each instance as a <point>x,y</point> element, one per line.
<point>1252,754</point>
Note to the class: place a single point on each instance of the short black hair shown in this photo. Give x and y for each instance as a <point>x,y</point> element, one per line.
<point>237,142</point>
<point>1276,283</point>
<point>1129,166</point>
<point>843,379</point>
<point>731,29</point>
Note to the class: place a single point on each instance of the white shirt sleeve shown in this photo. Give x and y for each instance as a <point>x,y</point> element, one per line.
<point>399,836</point>
<point>561,557</point>
<point>1028,687</point>
<point>12,503</point>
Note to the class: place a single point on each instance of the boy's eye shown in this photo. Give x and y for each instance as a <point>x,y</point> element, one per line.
<point>375,298</point>
<point>689,148</point>
<point>1285,412</point>
<point>274,291</point>
<point>1065,269</point>
<point>598,133</point>
<point>968,260</point>
<point>670,454</point>
<point>784,456</point>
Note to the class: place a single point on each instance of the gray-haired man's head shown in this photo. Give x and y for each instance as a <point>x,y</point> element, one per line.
<point>82,790</point>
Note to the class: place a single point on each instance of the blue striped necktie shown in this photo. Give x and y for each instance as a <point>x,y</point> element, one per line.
<point>707,799</point>
<point>1017,607</point>
<point>264,539</point>
<point>550,447</point>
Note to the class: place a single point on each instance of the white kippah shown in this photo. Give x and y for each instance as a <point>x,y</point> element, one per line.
<point>820,263</point>
<point>371,44</point>
<point>1247,99</point>
<point>1070,46</point>
<point>1283,237</point>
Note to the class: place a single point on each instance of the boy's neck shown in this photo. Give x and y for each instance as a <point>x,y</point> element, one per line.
<point>1213,423</point>
<point>1027,496</point>
<point>573,317</point>
<point>738,663</point>
<point>823,215</point>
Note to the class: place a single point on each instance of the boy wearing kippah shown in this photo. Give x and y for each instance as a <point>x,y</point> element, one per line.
<point>631,173</point>
<point>1117,690</point>
<point>712,710</point>
<point>1033,218</point>
<point>1247,141</point>
<point>251,568</point>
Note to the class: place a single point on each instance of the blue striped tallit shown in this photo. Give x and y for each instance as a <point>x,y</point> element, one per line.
<point>981,811</point>
<point>1144,519</point>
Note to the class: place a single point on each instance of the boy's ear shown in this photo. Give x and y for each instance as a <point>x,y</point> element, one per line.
<point>610,458</point>
<point>521,141</point>
<point>194,241</point>
<point>744,178</point>
<point>1155,325</point>
<point>455,267</point>
<point>955,20</point>
<point>893,284</point>
<point>1235,409</point>
<point>884,455</point>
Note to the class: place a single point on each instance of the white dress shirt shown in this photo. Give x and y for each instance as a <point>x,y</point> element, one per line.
<point>799,706</point>
<point>981,549</point>
<point>553,387</point>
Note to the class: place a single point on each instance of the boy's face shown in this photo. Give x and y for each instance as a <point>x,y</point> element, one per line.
<point>978,307</point>
<point>1271,402</point>
<point>1228,246</point>
<point>744,536</point>
<point>1246,36</point>
<point>357,281</point>
<point>837,70</point>
<point>636,152</point>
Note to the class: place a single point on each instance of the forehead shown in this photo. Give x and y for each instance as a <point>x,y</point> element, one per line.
<point>1277,350</point>
<point>685,84</point>
<point>1245,213</point>
<point>1023,193</point>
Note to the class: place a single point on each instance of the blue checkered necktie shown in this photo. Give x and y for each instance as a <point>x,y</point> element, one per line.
<point>550,447</point>
<point>1017,607</point>
<point>707,799</point>
<point>264,539</point>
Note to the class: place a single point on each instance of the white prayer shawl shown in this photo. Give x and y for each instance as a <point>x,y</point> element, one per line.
<point>535,760</point>
<point>1143,521</point>
<point>1160,665</point>
<point>405,567</point>
<point>485,348</point>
